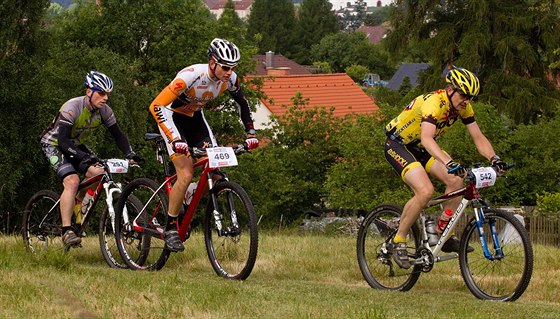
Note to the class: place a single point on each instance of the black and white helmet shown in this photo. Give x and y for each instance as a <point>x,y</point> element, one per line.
<point>98,81</point>
<point>224,52</point>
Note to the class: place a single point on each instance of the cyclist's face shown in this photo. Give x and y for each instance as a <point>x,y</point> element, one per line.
<point>223,72</point>
<point>459,100</point>
<point>98,99</point>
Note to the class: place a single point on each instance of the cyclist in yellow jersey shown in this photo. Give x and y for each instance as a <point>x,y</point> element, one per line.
<point>178,112</point>
<point>412,150</point>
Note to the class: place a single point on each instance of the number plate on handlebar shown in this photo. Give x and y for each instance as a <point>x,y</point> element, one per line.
<point>117,165</point>
<point>485,176</point>
<point>221,157</point>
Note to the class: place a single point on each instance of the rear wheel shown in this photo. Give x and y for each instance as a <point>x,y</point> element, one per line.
<point>139,234</point>
<point>376,263</point>
<point>42,225</point>
<point>231,243</point>
<point>107,241</point>
<point>500,276</point>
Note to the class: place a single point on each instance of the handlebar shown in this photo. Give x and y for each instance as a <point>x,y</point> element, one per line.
<point>470,175</point>
<point>198,152</point>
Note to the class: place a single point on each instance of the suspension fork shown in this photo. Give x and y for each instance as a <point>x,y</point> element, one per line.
<point>111,188</point>
<point>480,219</point>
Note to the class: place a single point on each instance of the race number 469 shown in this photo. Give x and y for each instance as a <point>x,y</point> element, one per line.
<point>221,157</point>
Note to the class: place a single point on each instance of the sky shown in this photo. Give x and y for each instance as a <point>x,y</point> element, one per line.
<point>342,3</point>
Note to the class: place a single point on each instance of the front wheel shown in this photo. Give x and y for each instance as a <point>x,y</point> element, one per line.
<point>42,225</point>
<point>107,241</point>
<point>139,232</point>
<point>503,274</point>
<point>230,231</point>
<point>376,263</point>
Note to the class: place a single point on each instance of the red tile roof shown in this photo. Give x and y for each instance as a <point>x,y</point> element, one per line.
<point>278,61</point>
<point>337,90</point>
<point>374,34</point>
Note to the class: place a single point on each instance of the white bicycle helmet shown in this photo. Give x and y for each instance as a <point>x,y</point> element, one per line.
<point>224,52</point>
<point>98,81</point>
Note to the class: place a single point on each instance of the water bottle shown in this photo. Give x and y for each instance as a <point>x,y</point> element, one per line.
<point>431,231</point>
<point>189,194</point>
<point>86,203</point>
<point>444,219</point>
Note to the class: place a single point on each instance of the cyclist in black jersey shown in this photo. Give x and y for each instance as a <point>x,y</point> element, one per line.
<point>61,143</point>
<point>412,150</point>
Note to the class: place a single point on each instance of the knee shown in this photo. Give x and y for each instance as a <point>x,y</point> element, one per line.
<point>71,182</point>
<point>425,193</point>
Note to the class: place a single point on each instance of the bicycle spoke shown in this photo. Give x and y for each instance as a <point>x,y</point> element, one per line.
<point>376,263</point>
<point>504,278</point>
<point>230,232</point>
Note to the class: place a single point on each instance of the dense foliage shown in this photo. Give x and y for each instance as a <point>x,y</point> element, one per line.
<point>509,44</point>
<point>313,160</point>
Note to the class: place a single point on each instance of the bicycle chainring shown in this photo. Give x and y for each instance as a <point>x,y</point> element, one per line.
<point>427,258</point>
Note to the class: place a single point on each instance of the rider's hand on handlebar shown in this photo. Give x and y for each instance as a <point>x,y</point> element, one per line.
<point>455,168</point>
<point>87,161</point>
<point>134,158</point>
<point>252,143</point>
<point>499,164</point>
<point>181,147</point>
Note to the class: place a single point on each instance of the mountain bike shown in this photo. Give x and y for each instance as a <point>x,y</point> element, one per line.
<point>230,225</point>
<point>42,225</point>
<point>499,268</point>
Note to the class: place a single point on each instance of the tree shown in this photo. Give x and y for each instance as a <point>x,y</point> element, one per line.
<point>22,51</point>
<point>377,17</point>
<point>509,44</point>
<point>316,20</point>
<point>230,25</point>
<point>344,49</point>
<point>272,25</point>
<point>354,18</point>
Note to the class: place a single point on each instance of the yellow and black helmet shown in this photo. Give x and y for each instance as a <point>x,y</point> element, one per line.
<point>464,81</point>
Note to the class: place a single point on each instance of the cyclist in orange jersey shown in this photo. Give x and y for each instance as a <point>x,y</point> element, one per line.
<point>178,112</point>
<point>412,150</point>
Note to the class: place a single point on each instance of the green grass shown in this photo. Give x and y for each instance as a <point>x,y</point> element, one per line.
<point>296,276</point>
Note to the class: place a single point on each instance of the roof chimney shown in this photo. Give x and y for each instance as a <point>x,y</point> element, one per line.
<point>269,60</point>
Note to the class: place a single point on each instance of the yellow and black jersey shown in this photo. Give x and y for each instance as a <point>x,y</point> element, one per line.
<point>433,107</point>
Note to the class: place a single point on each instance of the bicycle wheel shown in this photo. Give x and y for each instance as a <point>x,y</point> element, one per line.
<point>503,277</point>
<point>376,264</point>
<point>107,241</point>
<point>233,249</point>
<point>142,247</point>
<point>42,225</point>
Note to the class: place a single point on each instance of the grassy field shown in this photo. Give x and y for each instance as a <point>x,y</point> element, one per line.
<point>296,276</point>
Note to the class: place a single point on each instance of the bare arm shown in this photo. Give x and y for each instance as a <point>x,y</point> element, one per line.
<point>480,141</point>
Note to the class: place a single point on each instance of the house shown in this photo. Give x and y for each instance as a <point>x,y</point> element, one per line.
<point>410,70</point>
<point>374,34</point>
<point>277,64</point>
<point>337,90</point>
<point>242,7</point>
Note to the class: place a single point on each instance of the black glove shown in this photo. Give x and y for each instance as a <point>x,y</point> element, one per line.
<point>87,161</point>
<point>498,163</point>
<point>455,168</point>
<point>181,147</point>
<point>134,157</point>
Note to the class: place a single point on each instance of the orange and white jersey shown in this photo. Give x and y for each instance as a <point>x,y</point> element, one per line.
<point>191,89</point>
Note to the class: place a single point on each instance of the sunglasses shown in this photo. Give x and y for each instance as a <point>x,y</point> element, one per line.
<point>225,67</point>
<point>465,96</point>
